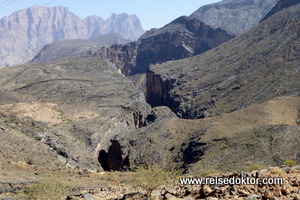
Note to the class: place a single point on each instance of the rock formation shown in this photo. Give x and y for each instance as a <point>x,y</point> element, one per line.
<point>182,38</point>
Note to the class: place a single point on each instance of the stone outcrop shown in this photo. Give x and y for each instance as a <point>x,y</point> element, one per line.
<point>182,38</point>
<point>122,56</point>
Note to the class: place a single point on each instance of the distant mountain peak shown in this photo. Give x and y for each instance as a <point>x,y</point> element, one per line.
<point>234,16</point>
<point>43,25</point>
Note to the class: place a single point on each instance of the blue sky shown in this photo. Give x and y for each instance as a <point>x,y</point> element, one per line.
<point>152,13</point>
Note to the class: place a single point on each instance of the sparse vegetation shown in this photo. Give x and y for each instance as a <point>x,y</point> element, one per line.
<point>276,170</point>
<point>289,162</point>
<point>209,172</point>
<point>150,178</point>
<point>39,138</point>
<point>254,166</point>
<point>50,190</point>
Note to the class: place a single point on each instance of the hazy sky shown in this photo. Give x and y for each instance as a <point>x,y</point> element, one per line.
<point>152,13</point>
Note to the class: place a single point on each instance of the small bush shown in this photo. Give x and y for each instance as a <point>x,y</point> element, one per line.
<point>50,190</point>
<point>289,162</point>
<point>276,170</point>
<point>254,166</point>
<point>39,138</point>
<point>209,172</point>
<point>150,178</point>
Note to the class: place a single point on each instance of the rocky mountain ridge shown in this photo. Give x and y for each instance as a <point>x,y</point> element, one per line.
<point>25,32</point>
<point>234,16</point>
<point>62,49</point>
<point>181,38</point>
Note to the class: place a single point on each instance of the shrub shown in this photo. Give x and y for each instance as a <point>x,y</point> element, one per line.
<point>50,190</point>
<point>289,162</point>
<point>254,166</point>
<point>276,170</point>
<point>150,178</point>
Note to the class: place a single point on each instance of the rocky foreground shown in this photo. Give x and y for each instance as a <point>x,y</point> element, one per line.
<point>290,190</point>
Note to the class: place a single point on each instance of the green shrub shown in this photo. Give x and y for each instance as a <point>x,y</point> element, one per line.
<point>289,162</point>
<point>254,166</point>
<point>150,178</point>
<point>50,190</point>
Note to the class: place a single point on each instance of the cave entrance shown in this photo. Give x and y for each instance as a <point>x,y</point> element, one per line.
<point>103,160</point>
<point>112,160</point>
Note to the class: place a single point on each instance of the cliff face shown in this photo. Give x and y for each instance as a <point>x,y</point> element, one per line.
<point>234,16</point>
<point>26,31</point>
<point>158,90</point>
<point>182,38</point>
<point>123,56</point>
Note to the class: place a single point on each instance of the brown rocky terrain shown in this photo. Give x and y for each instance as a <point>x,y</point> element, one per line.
<point>267,133</point>
<point>25,32</point>
<point>234,16</point>
<point>74,106</point>
<point>78,185</point>
<point>77,128</point>
<point>287,191</point>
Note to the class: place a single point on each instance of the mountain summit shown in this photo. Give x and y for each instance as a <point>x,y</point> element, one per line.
<point>234,16</point>
<point>26,31</point>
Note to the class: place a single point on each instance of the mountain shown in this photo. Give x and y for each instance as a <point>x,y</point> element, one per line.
<point>74,106</point>
<point>252,68</point>
<point>62,49</point>
<point>25,32</point>
<point>266,133</point>
<point>232,107</point>
<point>184,37</point>
<point>281,5</point>
<point>234,16</point>
<point>128,26</point>
<point>236,104</point>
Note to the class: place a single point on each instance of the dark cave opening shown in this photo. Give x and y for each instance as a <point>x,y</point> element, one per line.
<point>113,160</point>
<point>103,159</point>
